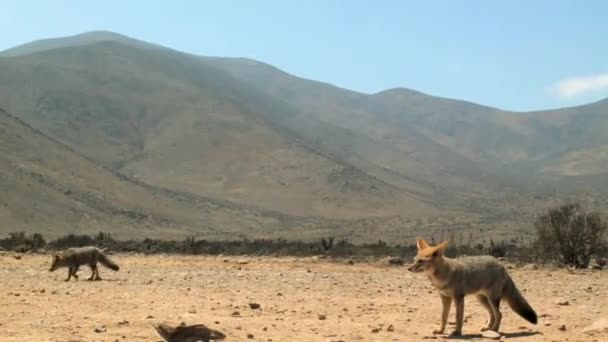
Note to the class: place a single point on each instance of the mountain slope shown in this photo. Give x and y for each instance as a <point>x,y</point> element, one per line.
<point>245,132</point>
<point>49,188</point>
<point>496,142</point>
<point>172,120</point>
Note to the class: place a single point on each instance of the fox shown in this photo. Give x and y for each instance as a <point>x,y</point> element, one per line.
<point>73,258</point>
<point>482,276</point>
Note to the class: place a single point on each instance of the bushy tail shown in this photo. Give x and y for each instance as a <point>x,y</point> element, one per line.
<point>104,260</point>
<point>518,303</point>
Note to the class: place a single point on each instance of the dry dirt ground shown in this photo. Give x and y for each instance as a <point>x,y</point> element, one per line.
<point>360,302</point>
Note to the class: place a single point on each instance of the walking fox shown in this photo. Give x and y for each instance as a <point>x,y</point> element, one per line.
<point>73,258</point>
<point>482,276</point>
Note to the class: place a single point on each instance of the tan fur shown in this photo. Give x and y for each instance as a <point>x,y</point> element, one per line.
<point>482,276</point>
<point>73,258</point>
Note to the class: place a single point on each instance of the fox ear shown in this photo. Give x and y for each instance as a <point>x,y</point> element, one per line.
<point>442,246</point>
<point>421,243</point>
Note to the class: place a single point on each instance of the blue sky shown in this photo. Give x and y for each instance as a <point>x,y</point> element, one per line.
<point>518,55</point>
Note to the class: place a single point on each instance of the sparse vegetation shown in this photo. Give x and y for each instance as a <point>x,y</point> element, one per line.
<point>327,243</point>
<point>498,249</point>
<point>260,247</point>
<point>569,234</point>
<point>278,247</point>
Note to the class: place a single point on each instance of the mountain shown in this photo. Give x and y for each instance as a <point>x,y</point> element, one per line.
<point>245,133</point>
<point>48,187</point>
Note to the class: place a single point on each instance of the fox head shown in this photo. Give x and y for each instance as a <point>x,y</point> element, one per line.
<point>55,262</point>
<point>428,256</point>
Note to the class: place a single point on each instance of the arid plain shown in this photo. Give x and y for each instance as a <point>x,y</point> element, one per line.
<point>301,299</point>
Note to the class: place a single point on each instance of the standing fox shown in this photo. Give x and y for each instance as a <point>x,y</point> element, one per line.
<point>73,258</point>
<point>482,276</point>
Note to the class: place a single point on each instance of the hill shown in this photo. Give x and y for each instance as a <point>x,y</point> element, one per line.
<point>48,188</point>
<point>242,132</point>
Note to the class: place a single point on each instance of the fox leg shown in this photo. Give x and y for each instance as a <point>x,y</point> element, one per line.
<point>446,302</point>
<point>459,299</point>
<point>94,272</point>
<point>495,304</point>
<point>72,272</point>
<point>483,300</point>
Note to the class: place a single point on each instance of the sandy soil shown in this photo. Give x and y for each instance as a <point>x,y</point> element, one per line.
<point>361,302</point>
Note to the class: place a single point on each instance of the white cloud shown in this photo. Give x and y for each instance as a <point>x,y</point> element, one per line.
<point>576,86</point>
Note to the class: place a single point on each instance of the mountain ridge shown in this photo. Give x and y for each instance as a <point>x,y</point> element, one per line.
<point>246,132</point>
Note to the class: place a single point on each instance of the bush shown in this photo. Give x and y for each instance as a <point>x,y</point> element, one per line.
<point>498,249</point>
<point>20,242</point>
<point>569,234</point>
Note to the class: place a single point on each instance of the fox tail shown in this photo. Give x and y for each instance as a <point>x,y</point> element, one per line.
<point>107,262</point>
<point>518,303</point>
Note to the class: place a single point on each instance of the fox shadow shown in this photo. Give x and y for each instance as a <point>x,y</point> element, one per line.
<point>506,335</point>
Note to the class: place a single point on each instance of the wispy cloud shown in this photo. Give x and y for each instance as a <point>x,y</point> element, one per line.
<point>575,86</point>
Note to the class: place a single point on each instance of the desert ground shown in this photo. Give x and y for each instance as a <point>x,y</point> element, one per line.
<point>301,299</point>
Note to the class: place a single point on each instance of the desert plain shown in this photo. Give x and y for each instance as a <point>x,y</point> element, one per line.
<point>300,299</point>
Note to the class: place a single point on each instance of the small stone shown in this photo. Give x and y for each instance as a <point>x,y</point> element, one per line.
<point>599,326</point>
<point>491,334</point>
<point>249,335</point>
<point>100,329</point>
<point>376,330</point>
<point>390,328</point>
<point>123,322</point>
<point>321,317</point>
<point>254,305</point>
<point>395,261</point>
<point>562,302</point>
<point>562,327</point>
<point>236,314</point>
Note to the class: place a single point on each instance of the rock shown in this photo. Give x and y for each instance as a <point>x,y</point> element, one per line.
<point>599,326</point>
<point>101,329</point>
<point>17,256</point>
<point>254,306</point>
<point>187,333</point>
<point>321,317</point>
<point>530,267</point>
<point>562,327</point>
<point>491,334</point>
<point>395,261</point>
<point>236,314</point>
<point>123,322</point>
<point>249,335</point>
<point>390,328</point>
<point>562,302</point>
<point>595,266</point>
<point>242,262</point>
<point>376,330</point>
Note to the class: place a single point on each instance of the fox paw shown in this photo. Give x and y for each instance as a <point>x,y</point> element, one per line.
<point>455,333</point>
